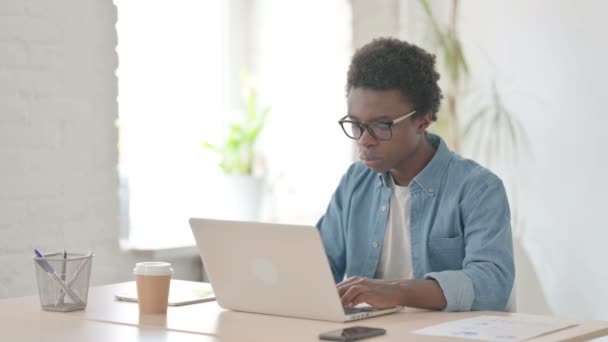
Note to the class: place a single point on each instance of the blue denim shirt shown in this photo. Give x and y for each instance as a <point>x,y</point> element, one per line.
<point>460,229</point>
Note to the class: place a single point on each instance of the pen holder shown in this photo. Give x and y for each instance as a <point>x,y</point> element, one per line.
<point>63,283</point>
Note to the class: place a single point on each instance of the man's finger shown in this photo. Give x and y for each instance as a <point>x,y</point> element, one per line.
<point>363,297</point>
<point>352,293</point>
<point>344,286</point>
<point>349,281</point>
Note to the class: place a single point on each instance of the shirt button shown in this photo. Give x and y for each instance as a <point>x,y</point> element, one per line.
<point>431,190</point>
<point>383,208</point>
<point>379,183</point>
<point>375,244</point>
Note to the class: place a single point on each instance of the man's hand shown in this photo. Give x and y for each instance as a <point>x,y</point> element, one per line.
<point>380,294</point>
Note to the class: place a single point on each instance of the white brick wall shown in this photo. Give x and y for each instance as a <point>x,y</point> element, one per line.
<point>58,154</point>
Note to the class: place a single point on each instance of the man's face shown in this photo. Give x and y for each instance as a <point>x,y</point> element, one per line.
<point>369,106</point>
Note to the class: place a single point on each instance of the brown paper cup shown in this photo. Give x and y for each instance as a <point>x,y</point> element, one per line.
<point>153,280</point>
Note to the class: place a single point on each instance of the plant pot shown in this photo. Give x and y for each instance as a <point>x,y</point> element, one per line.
<point>244,197</point>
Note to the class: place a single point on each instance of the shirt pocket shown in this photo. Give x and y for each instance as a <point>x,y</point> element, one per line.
<point>446,253</point>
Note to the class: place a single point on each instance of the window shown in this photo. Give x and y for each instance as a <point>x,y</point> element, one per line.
<point>171,91</point>
<point>175,64</point>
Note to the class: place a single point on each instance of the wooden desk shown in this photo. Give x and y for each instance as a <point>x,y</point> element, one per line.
<point>43,326</point>
<point>211,323</point>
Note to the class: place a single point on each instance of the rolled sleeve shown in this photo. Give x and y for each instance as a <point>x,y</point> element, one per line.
<point>486,278</point>
<point>457,288</point>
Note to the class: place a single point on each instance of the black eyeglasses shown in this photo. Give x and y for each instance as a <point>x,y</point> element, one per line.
<point>379,130</point>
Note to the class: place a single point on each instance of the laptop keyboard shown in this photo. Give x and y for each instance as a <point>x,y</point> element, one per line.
<point>350,311</point>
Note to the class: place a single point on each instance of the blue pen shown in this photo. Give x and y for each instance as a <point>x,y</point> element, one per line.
<point>49,269</point>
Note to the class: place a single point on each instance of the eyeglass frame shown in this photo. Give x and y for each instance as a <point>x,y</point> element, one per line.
<point>364,126</point>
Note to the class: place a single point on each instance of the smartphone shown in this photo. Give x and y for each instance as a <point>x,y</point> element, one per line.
<point>351,334</point>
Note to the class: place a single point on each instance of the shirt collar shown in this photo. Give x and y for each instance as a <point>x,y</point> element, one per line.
<point>429,179</point>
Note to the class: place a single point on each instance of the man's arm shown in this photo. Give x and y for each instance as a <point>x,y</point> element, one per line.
<point>488,269</point>
<point>422,294</point>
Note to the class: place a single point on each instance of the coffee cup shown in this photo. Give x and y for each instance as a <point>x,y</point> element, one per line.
<point>153,280</point>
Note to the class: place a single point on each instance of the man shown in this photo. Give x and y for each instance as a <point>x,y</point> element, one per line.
<point>413,223</point>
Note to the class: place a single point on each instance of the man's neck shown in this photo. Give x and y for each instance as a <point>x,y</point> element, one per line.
<point>410,167</point>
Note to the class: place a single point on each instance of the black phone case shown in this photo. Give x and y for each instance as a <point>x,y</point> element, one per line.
<point>332,336</point>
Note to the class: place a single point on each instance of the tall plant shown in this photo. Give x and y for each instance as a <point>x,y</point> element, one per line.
<point>491,128</point>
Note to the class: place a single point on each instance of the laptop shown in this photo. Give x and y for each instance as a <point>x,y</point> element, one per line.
<point>272,269</point>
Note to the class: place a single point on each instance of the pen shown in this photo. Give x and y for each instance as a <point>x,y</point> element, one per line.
<point>63,266</point>
<point>49,269</point>
<point>75,275</point>
<point>80,268</point>
<point>65,256</point>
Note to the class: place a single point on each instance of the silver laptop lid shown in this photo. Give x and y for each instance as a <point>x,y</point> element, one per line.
<point>268,268</point>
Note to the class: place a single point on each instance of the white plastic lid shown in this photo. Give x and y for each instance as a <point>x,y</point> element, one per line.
<point>153,268</point>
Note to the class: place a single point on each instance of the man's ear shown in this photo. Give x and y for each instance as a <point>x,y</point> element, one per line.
<point>424,122</point>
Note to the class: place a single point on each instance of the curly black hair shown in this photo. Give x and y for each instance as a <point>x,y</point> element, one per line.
<point>389,63</point>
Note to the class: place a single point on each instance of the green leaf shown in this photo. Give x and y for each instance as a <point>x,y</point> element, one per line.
<point>460,56</point>
<point>211,147</point>
<point>439,35</point>
<point>237,150</point>
<point>474,120</point>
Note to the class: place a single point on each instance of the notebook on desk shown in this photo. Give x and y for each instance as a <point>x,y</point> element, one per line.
<point>272,269</point>
<point>180,293</point>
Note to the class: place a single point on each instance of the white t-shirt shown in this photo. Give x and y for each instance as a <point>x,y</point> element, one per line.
<point>396,257</point>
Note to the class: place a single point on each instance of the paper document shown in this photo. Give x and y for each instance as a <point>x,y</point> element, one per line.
<point>180,293</point>
<point>495,328</point>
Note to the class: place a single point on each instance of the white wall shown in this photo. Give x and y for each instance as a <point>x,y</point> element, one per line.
<point>58,154</point>
<point>550,59</point>
<point>372,19</point>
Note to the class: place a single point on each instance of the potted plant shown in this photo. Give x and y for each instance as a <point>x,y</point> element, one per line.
<point>238,156</point>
